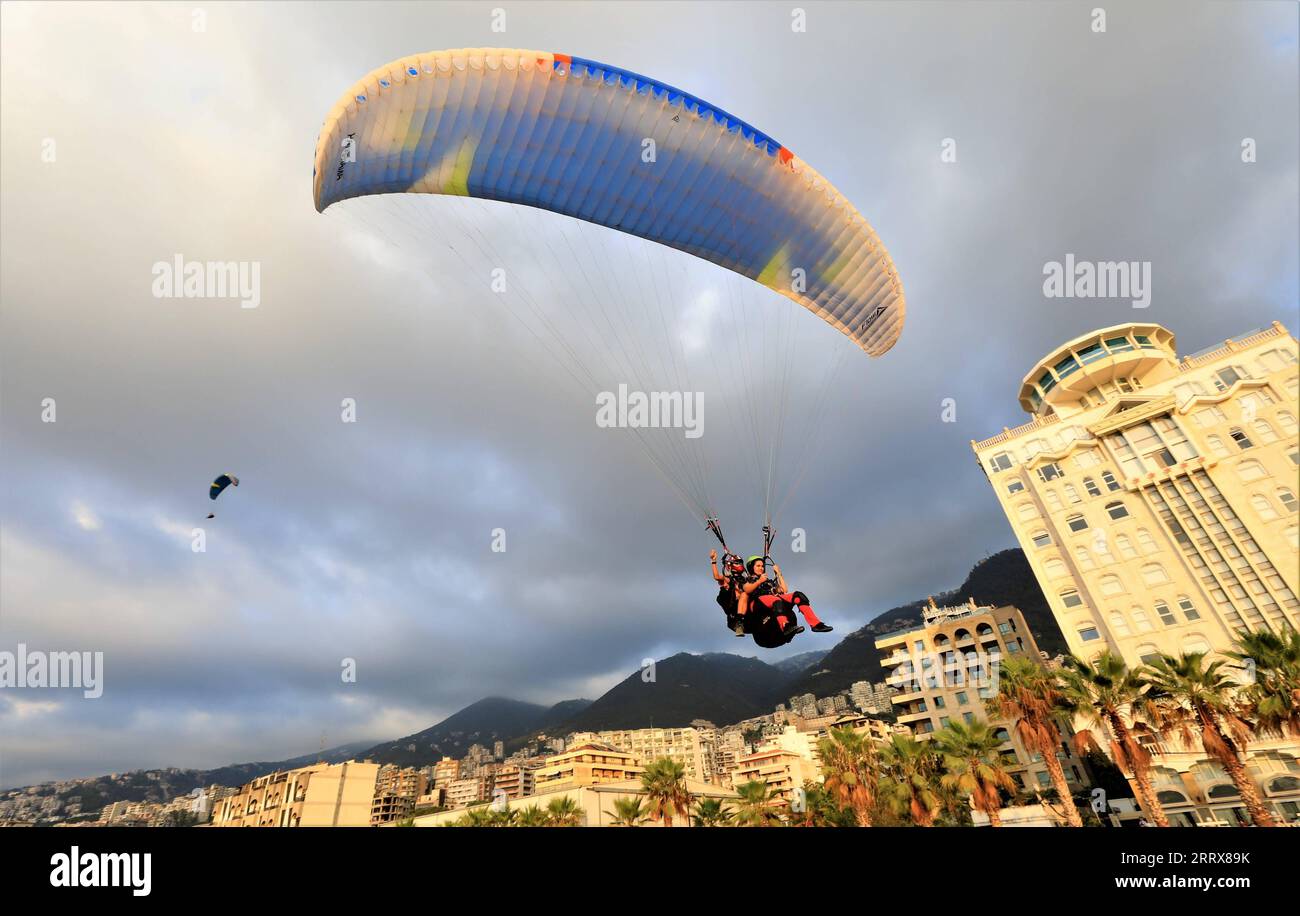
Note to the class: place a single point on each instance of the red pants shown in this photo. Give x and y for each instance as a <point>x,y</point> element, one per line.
<point>782,604</point>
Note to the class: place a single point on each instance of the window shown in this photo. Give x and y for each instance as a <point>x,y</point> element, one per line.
<point>1027,512</point>
<point>1077,523</point>
<point>1001,461</point>
<point>1014,487</point>
<point>1109,480</point>
<point>1091,486</point>
<point>1071,493</point>
<point>1239,437</point>
<point>1147,542</point>
<point>1092,353</point>
<point>1116,510</point>
<point>1041,539</point>
<point>1125,546</point>
<point>1287,499</point>
<point>1055,568</point>
<point>1053,501</point>
<point>1216,446</point>
<point>1226,378</point>
<point>1209,416</point>
<point>1088,634</point>
<point>1118,623</point>
<point>1276,360</point>
<point>1006,627</point>
<point>1083,558</point>
<point>1263,507</point>
<point>962,698</point>
<point>1034,446</point>
<point>1140,619</point>
<point>1049,472</point>
<point>1118,344</point>
<point>939,702</point>
<point>1251,470</point>
<point>1070,598</point>
<point>1066,367</point>
<point>1166,616</point>
<point>1189,610</point>
<point>1087,459</point>
<point>969,717</point>
<point>1263,432</point>
<point>1111,585</point>
<point>1286,420</point>
<point>1144,341</point>
<point>1154,574</point>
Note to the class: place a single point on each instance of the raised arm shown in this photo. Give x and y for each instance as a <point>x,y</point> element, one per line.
<point>713,565</point>
<point>780,579</point>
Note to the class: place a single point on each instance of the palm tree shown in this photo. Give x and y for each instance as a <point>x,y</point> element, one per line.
<point>1108,695</point>
<point>665,788</point>
<point>563,812</point>
<point>628,812</point>
<point>911,769</point>
<point>1032,697</point>
<point>1272,663</point>
<point>1193,700</point>
<point>849,762</point>
<point>755,806</point>
<point>711,812</point>
<point>532,816</point>
<point>475,817</point>
<point>974,765</point>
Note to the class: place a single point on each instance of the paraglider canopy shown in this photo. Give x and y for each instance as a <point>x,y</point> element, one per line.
<point>220,484</point>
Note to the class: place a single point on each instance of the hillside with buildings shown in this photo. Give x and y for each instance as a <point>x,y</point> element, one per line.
<point>1001,579</point>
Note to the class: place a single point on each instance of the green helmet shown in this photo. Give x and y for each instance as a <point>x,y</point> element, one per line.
<point>749,564</point>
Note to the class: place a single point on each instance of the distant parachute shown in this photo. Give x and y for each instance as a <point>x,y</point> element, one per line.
<point>614,149</point>
<point>219,485</point>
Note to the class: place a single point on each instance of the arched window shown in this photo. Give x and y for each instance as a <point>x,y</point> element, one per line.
<point>1148,653</point>
<point>1027,512</point>
<point>1195,643</point>
<point>1070,598</point>
<point>1216,445</point>
<point>1117,510</point>
<point>1287,499</point>
<point>1053,501</point>
<point>1077,523</point>
<point>1293,536</point>
<point>1111,585</point>
<point>1140,619</point>
<point>1118,624</point>
<point>1147,542</point>
<point>1071,493</point>
<point>1239,437</point>
<point>1286,420</point>
<point>1259,502</point>
<point>1125,546</point>
<point>1109,480</point>
<point>1166,616</point>
<point>1040,539</point>
<point>1083,558</point>
<point>1251,470</point>
<point>1055,568</point>
<point>1154,574</point>
<point>1189,610</point>
<point>1091,486</point>
<point>1264,432</point>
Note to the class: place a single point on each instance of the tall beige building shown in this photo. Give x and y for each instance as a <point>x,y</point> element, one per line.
<point>323,795</point>
<point>690,747</point>
<point>945,668</point>
<point>1156,499</point>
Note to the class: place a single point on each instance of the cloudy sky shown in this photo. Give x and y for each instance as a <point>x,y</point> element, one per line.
<point>372,540</point>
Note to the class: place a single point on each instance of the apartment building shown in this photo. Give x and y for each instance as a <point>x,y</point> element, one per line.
<point>690,747</point>
<point>945,669</point>
<point>1156,499</point>
<point>586,763</point>
<point>321,795</point>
